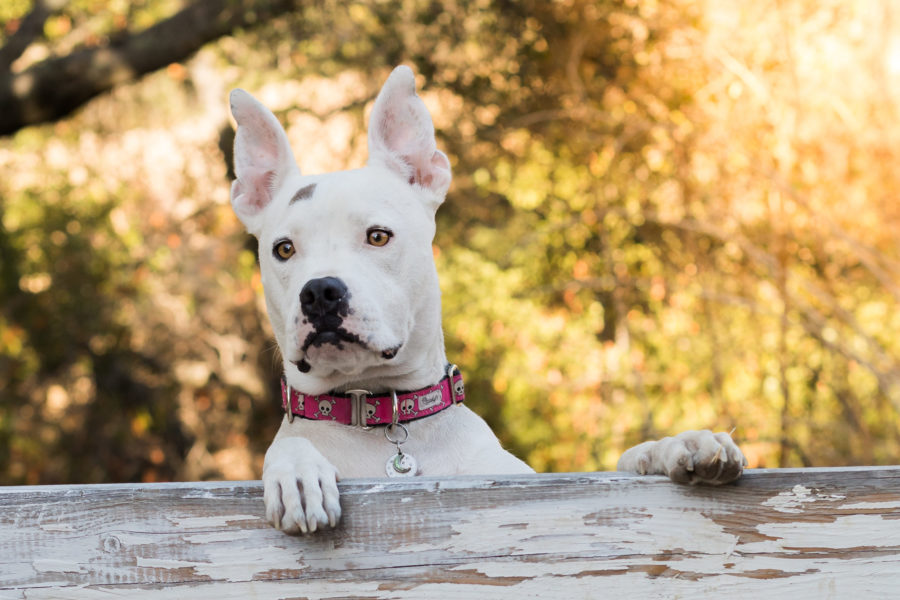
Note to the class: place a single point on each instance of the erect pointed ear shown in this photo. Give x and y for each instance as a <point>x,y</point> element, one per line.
<point>262,158</point>
<point>401,135</point>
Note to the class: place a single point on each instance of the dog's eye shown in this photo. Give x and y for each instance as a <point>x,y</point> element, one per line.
<point>378,237</point>
<point>283,250</point>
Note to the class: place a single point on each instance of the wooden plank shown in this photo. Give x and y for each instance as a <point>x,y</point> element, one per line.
<point>809,533</point>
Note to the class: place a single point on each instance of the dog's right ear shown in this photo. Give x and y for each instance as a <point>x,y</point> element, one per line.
<point>401,136</point>
<point>262,158</point>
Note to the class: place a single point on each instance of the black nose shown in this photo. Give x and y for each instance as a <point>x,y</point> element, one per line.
<point>325,295</point>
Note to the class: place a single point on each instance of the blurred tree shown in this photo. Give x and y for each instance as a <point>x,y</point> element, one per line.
<point>56,85</point>
<point>664,215</point>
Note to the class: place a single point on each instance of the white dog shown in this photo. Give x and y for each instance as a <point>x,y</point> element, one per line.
<point>353,298</point>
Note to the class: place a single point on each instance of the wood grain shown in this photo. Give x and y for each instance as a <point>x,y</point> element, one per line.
<point>807,533</point>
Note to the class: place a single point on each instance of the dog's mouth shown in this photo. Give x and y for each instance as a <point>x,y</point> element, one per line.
<point>339,338</point>
<point>336,336</point>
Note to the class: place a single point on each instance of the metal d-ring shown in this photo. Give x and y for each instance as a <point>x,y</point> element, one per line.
<point>453,370</point>
<point>395,422</point>
<point>396,440</point>
<point>395,408</point>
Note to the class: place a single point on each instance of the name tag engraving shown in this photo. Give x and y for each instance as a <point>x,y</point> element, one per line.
<point>430,400</point>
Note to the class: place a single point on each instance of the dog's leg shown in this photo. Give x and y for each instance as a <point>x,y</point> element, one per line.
<point>299,487</point>
<point>689,457</point>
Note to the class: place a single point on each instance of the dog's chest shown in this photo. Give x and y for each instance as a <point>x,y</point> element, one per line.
<point>439,444</point>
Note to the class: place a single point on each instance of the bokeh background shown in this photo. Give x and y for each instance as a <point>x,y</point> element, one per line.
<point>665,215</point>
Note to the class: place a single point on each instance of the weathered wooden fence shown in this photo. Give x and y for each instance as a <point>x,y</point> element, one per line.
<point>805,533</point>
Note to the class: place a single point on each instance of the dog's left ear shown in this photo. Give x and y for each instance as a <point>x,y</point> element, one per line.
<point>262,158</point>
<point>401,136</point>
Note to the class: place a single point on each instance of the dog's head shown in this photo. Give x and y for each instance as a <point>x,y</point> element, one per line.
<point>346,257</point>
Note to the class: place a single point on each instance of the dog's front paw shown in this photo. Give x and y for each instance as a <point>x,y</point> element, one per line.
<point>299,487</point>
<point>701,457</point>
<point>689,457</point>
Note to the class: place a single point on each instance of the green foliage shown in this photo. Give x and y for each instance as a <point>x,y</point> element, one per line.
<point>663,216</point>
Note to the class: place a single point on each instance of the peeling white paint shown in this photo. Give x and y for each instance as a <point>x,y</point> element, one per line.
<point>793,501</point>
<point>230,563</point>
<point>374,489</point>
<point>871,505</point>
<point>540,569</point>
<point>489,537</point>
<point>414,548</point>
<point>222,536</point>
<point>51,565</point>
<point>856,583</point>
<point>851,531</point>
<point>115,540</point>
<point>214,489</point>
<point>558,532</point>
<point>57,527</point>
<point>207,522</point>
<point>16,571</point>
<point>164,563</point>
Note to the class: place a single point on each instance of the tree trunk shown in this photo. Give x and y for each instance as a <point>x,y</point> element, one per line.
<point>55,87</point>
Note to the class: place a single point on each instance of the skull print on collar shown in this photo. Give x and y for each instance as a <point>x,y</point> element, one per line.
<point>359,407</point>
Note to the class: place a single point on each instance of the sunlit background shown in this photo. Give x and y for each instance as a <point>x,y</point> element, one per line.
<point>665,215</point>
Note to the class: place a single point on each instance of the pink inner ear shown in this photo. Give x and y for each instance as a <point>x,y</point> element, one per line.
<point>438,171</point>
<point>401,135</point>
<point>434,174</point>
<point>413,154</point>
<point>262,155</point>
<point>253,190</point>
<point>396,137</point>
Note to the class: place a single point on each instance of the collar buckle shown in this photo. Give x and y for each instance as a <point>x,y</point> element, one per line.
<point>288,406</point>
<point>358,413</point>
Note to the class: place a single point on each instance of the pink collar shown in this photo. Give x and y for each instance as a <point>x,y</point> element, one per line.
<point>360,407</point>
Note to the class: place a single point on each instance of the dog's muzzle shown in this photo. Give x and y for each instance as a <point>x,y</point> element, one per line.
<point>325,302</point>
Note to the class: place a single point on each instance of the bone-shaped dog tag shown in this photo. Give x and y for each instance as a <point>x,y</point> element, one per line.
<point>401,465</point>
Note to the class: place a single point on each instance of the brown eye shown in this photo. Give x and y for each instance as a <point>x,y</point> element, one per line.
<point>283,250</point>
<point>378,237</point>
